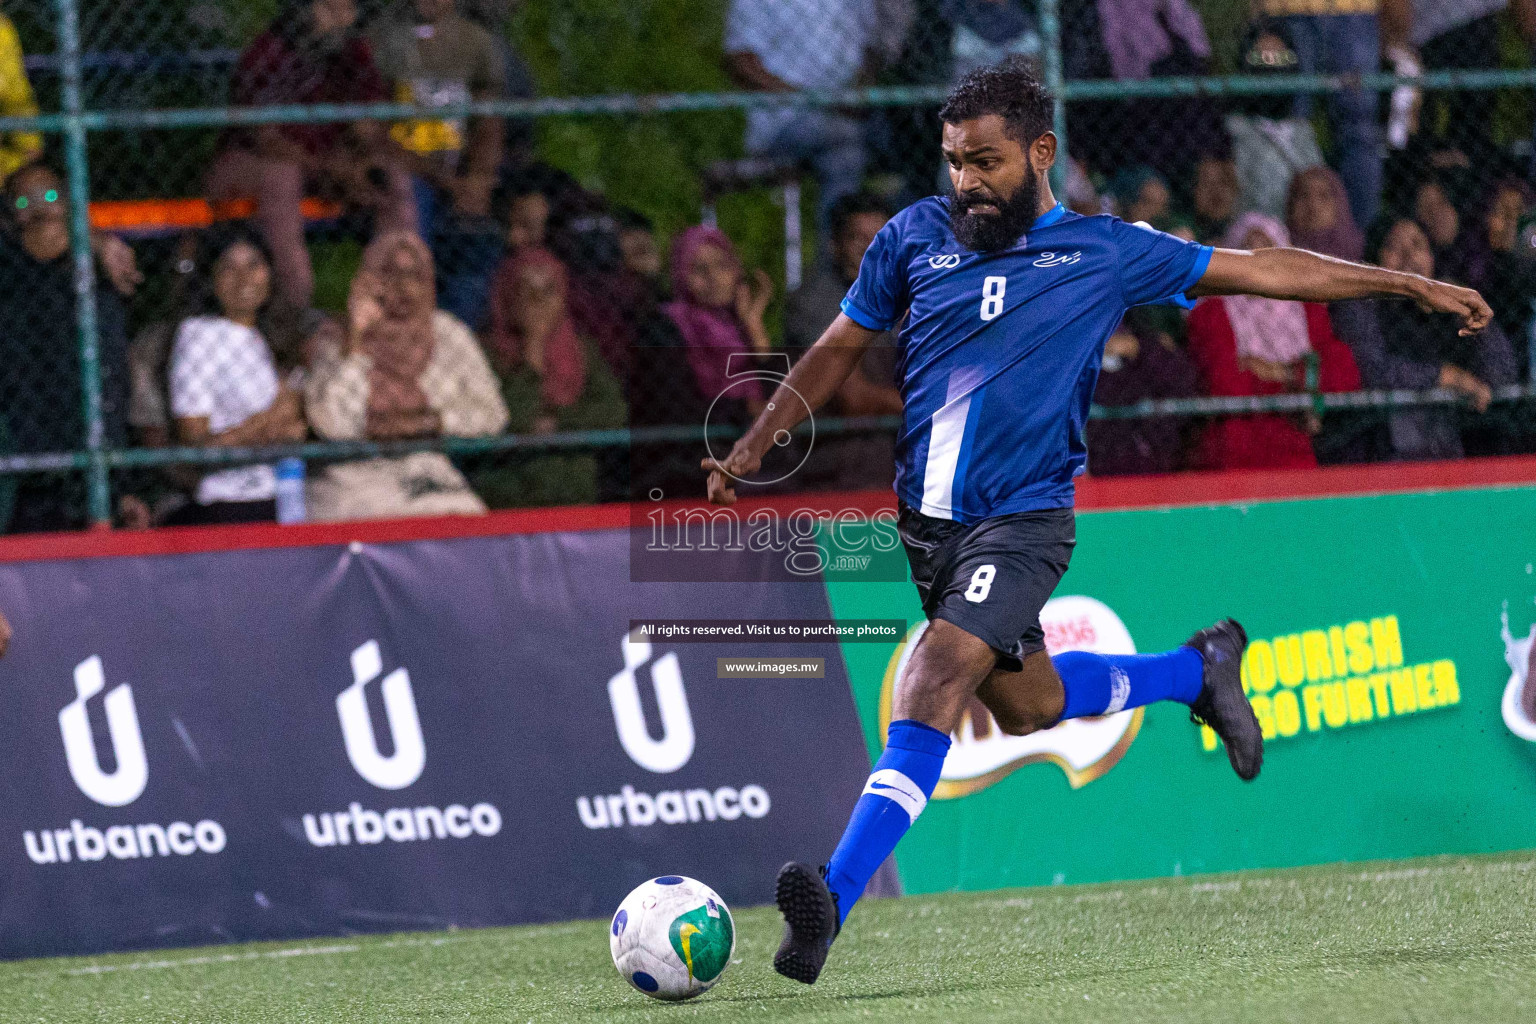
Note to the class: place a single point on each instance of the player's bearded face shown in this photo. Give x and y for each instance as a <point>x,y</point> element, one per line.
<point>984,221</point>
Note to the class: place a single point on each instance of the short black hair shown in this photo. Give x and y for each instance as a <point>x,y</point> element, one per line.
<point>851,206</point>
<point>1009,89</point>
<point>631,219</point>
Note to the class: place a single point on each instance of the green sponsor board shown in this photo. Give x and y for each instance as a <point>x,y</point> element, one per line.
<point>1376,665</point>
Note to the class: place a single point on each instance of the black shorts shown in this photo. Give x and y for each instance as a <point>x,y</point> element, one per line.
<point>990,578</point>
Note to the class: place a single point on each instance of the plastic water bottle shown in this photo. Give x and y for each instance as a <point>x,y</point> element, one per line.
<point>290,491</point>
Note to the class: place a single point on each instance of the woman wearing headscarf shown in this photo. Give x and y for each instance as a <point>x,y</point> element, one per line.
<point>1318,216</point>
<point>552,379</point>
<point>1320,220</point>
<point>719,315</point>
<point>401,368</point>
<point>1246,345</point>
<point>1400,346</point>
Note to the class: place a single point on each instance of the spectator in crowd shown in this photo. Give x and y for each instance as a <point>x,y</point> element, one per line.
<point>788,45</point>
<point>1507,274</point>
<point>495,16</point>
<point>1269,143</point>
<point>528,219</point>
<point>17,149</point>
<point>606,297</point>
<point>41,377</point>
<point>400,368</point>
<point>552,380</point>
<point>852,461</point>
<point>1438,202</point>
<point>224,385</point>
<point>1400,346</point>
<point>1140,363</point>
<point>310,54</point>
<point>1140,194</point>
<point>637,245</point>
<point>1246,345</point>
<point>1215,199</point>
<point>436,57</point>
<point>987,32</point>
<point>1319,219</point>
<point>719,313</point>
<point>1082,194</point>
<point>1460,34</point>
<point>5,634</point>
<point>1345,37</point>
<point>1130,40</point>
<point>1317,214</point>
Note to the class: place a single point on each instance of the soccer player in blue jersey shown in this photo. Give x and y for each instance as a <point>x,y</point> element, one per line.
<point>1005,300</point>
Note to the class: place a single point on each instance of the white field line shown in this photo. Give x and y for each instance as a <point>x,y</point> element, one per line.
<point>1237,884</point>
<point>231,958</point>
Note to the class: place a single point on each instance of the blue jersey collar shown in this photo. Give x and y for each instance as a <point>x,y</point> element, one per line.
<point>1049,217</point>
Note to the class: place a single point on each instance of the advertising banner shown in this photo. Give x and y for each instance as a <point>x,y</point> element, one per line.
<point>1391,642</point>
<point>301,741</point>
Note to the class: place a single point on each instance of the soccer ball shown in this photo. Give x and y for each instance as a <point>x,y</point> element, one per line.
<point>672,937</point>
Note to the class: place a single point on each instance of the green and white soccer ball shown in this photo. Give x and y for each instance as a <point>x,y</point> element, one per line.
<point>672,937</point>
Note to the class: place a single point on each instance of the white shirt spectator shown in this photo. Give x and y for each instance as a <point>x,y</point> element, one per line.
<point>224,371</point>
<point>809,44</point>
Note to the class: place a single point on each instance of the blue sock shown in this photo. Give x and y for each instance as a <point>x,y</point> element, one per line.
<point>894,796</point>
<point>1101,684</point>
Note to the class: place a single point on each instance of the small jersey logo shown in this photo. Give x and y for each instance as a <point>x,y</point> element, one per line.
<point>1052,259</point>
<point>948,262</point>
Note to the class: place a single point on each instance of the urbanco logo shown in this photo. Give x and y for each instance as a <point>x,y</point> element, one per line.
<point>125,784</point>
<point>1085,749</point>
<point>405,765</point>
<point>632,807</point>
<point>675,747</point>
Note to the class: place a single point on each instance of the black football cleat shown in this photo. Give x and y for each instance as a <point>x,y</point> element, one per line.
<point>810,922</point>
<point>1222,705</point>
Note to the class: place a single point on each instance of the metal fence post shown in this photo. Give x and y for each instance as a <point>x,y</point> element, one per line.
<point>78,174</point>
<point>1050,37</point>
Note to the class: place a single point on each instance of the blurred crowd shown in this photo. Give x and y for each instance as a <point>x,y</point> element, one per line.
<point>497,295</point>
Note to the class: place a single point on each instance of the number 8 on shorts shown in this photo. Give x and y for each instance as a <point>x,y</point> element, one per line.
<point>981,584</point>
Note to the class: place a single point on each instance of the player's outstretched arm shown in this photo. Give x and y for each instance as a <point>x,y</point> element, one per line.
<point>1309,277</point>
<point>815,378</point>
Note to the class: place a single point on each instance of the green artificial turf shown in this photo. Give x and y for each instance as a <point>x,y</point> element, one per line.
<point>1448,939</point>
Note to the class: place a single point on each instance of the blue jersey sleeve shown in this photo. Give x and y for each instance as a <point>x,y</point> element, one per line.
<point>1156,268</point>
<point>879,296</point>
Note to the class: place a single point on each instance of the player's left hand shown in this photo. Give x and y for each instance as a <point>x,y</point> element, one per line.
<point>740,463</point>
<point>1439,297</point>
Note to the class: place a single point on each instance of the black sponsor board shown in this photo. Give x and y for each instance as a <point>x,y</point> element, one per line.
<point>311,741</point>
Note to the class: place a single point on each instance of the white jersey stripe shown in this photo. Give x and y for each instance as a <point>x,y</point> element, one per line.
<point>946,435</point>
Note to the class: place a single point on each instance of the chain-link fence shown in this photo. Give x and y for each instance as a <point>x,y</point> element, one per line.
<point>417,256</point>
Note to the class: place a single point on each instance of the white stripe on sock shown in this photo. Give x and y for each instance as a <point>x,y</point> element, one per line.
<point>896,787</point>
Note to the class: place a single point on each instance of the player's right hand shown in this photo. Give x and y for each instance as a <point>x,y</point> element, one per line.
<point>740,463</point>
